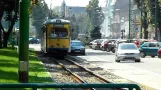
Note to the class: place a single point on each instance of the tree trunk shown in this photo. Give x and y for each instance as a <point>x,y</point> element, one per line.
<point>159,26</point>
<point>145,25</point>
<point>1,28</point>
<point>6,34</point>
<point>0,38</point>
<point>5,39</point>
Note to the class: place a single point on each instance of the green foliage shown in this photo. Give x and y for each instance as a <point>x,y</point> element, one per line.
<point>95,13</point>
<point>55,12</point>
<point>39,15</point>
<point>83,23</point>
<point>9,67</point>
<point>95,33</point>
<point>74,26</point>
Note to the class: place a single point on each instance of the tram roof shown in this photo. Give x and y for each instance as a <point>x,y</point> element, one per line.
<point>57,21</point>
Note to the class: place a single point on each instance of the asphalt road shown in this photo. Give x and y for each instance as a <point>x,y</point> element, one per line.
<point>102,57</point>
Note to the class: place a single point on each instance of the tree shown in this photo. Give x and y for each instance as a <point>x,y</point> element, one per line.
<point>9,9</point>
<point>148,7</point>
<point>95,13</point>
<point>95,33</point>
<point>143,7</point>
<point>82,21</point>
<point>75,27</point>
<point>39,15</point>
<point>1,27</point>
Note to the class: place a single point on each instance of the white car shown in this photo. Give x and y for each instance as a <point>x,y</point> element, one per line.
<point>127,51</point>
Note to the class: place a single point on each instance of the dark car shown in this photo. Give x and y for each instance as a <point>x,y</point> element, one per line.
<point>34,41</point>
<point>77,47</point>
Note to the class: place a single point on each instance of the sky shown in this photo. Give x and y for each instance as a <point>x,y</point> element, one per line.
<point>72,2</point>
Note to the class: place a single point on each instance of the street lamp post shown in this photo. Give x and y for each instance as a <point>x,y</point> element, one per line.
<point>23,41</point>
<point>129,16</point>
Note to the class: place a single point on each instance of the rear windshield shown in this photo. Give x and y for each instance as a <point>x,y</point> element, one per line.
<point>77,44</point>
<point>127,46</point>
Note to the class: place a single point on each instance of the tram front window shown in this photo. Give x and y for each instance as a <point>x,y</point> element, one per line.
<point>59,33</point>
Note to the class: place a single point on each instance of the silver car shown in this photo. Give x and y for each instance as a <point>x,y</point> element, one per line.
<point>127,51</point>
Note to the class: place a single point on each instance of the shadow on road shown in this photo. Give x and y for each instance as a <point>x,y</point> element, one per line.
<point>130,62</point>
<point>99,53</point>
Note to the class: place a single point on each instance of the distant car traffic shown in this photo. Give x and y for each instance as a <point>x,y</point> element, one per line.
<point>77,47</point>
<point>127,51</point>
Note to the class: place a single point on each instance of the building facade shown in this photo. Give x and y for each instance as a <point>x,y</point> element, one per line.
<point>108,12</point>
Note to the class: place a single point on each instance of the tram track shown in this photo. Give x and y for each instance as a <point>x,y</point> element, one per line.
<point>85,75</point>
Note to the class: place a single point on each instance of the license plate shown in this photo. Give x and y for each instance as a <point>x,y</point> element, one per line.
<point>77,51</point>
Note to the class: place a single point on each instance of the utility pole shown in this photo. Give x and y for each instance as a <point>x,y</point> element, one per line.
<point>129,17</point>
<point>23,41</point>
<point>156,18</point>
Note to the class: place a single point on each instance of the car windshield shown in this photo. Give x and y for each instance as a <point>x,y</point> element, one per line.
<point>77,44</point>
<point>127,46</point>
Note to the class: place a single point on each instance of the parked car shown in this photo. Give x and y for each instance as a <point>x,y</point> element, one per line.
<point>93,44</point>
<point>159,50</point>
<point>77,47</point>
<point>111,46</point>
<point>33,41</point>
<point>149,49</point>
<point>102,43</point>
<point>127,51</point>
<point>141,41</point>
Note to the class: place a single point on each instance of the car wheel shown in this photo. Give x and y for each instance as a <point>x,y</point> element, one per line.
<point>84,53</point>
<point>159,56</point>
<point>152,56</point>
<point>113,50</point>
<point>107,50</point>
<point>117,60</point>
<point>142,54</point>
<point>137,60</point>
<point>103,49</point>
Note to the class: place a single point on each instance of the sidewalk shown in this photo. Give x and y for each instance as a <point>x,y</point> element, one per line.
<point>134,74</point>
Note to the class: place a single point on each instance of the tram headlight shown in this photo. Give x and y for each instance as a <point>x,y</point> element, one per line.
<point>52,46</point>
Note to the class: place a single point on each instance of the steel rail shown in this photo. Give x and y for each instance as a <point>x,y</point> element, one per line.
<point>76,77</point>
<point>91,72</point>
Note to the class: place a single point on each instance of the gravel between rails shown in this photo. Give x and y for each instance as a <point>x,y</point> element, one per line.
<point>61,76</point>
<point>83,74</point>
<point>57,73</point>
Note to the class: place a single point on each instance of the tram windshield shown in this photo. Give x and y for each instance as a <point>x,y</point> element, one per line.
<point>59,32</point>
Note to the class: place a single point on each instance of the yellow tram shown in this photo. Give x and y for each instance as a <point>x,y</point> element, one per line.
<point>56,37</point>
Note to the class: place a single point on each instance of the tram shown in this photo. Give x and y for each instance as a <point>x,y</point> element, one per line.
<point>56,37</point>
